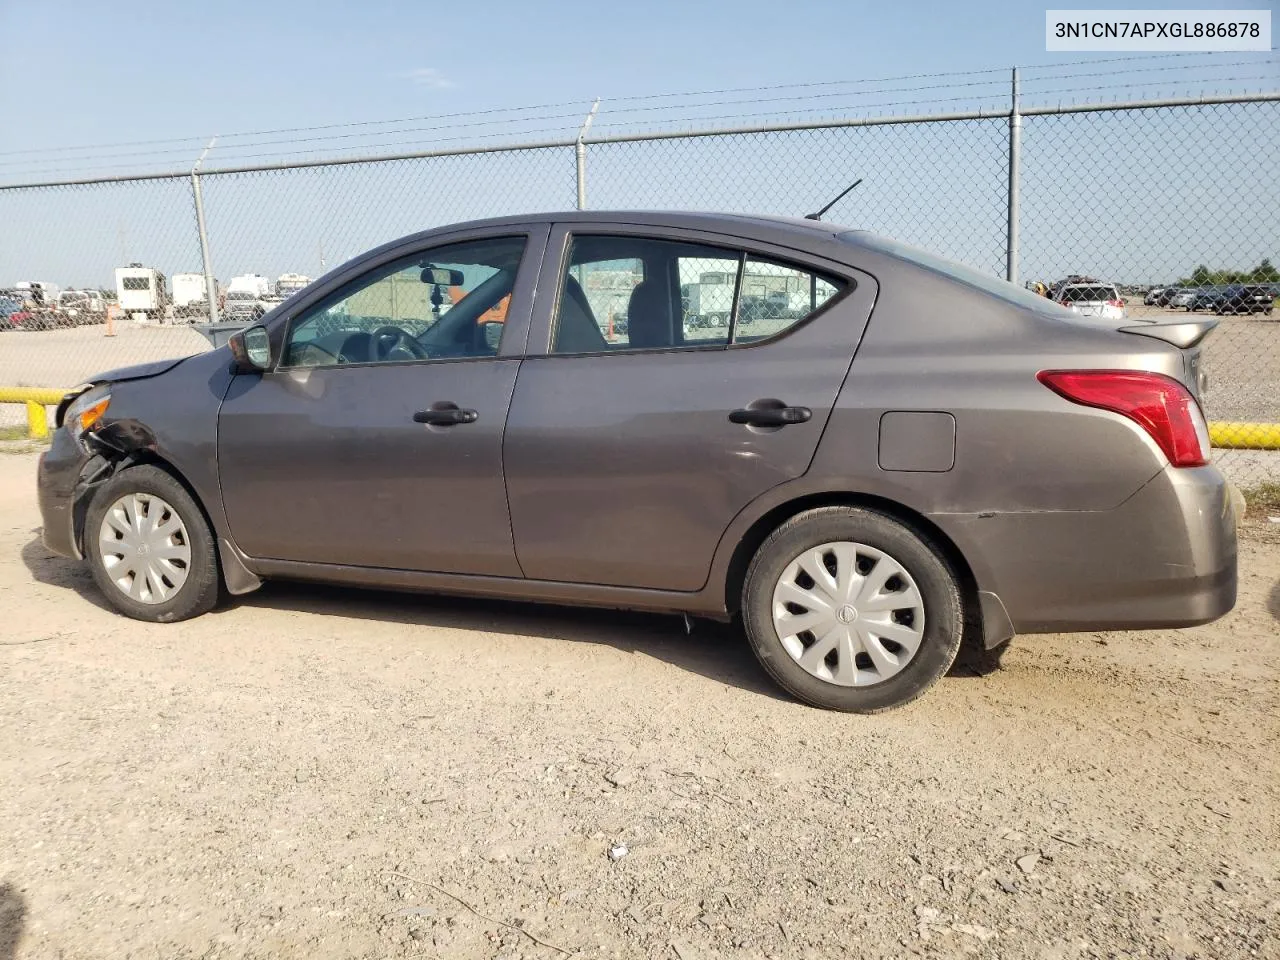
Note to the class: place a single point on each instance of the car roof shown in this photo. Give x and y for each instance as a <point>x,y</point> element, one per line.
<point>737,224</point>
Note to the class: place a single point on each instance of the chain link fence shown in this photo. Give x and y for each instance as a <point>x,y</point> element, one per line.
<point>1173,196</point>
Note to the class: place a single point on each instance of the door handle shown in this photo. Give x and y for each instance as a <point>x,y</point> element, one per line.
<point>771,416</point>
<point>445,415</point>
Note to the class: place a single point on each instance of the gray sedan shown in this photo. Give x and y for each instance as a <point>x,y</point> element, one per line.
<point>897,455</point>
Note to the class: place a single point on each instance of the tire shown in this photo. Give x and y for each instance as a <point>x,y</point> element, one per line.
<point>198,590</point>
<point>876,537</point>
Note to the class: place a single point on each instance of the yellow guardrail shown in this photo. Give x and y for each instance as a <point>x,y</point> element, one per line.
<point>36,399</point>
<point>1224,434</point>
<point>1231,435</point>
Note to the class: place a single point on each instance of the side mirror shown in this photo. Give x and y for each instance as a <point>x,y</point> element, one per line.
<point>251,349</point>
<point>492,330</point>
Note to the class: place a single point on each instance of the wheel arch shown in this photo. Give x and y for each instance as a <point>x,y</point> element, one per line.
<point>766,523</point>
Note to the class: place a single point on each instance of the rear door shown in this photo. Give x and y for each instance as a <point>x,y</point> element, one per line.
<point>642,421</point>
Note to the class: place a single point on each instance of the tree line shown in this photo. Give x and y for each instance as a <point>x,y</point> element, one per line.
<point>1202,276</point>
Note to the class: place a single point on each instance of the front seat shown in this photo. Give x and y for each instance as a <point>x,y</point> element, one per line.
<point>576,329</point>
<point>648,317</point>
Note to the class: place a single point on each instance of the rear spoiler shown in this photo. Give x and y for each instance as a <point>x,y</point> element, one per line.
<point>1183,334</point>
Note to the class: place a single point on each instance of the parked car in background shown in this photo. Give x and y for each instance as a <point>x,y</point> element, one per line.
<point>82,306</point>
<point>1166,295</point>
<point>1236,298</point>
<point>855,510</point>
<point>248,297</point>
<point>1093,300</point>
<point>242,305</point>
<point>1182,299</point>
<point>1153,295</point>
<point>12,312</point>
<point>1206,298</point>
<point>287,284</point>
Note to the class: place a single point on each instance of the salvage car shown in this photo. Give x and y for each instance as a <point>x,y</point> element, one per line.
<point>912,453</point>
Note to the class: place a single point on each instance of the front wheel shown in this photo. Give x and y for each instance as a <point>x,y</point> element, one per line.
<point>849,609</point>
<point>150,548</point>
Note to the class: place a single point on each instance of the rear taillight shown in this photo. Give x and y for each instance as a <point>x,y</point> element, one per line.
<point>1116,303</point>
<point>1159,404</point>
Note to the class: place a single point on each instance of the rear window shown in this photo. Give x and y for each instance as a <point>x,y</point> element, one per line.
<point>1088,294</point>
<point>136,283</point>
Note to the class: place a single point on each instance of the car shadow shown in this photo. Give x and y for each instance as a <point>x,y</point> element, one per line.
<point>13,911</point>
<point>57,571</point>
<point>714,650</point>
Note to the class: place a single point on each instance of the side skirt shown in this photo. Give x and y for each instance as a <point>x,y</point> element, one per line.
<point>506,588</point>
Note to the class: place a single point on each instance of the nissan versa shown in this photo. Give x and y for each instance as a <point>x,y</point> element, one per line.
<point>879,452</point>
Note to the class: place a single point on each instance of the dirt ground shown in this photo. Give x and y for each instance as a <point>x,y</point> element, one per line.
<point>324,773</point>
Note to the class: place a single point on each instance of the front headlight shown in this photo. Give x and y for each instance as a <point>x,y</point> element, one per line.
<point>87,409</point>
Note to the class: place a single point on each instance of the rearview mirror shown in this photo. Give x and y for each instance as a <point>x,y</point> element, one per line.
<point>442,277</point>
<point>251,349</point>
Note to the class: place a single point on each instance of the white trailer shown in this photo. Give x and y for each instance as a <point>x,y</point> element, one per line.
<point>710,298</point>
<point>142,290</point>
<point>188,288</point>
<point>39,292</point>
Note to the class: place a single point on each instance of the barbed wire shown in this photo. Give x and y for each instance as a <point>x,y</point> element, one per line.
<point>617,103</point>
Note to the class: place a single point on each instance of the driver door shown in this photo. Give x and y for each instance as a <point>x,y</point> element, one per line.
<point>376,440</point>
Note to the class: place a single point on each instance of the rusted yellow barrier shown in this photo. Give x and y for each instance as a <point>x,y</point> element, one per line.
<point>35,399</point>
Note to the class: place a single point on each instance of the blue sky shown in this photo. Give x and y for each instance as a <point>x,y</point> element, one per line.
<point>85,88</point>
<point>82,72</point>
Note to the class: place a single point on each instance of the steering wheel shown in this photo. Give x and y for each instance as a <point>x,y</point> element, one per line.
<point>385,339</point>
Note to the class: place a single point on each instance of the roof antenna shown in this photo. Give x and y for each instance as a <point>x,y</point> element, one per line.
<point>841,196</point>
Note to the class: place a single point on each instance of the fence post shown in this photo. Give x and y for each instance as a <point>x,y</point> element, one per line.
<point>580,152</point>
<point>210,287</point>
<point>1015,159</point>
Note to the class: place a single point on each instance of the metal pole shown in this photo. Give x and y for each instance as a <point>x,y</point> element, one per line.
<point>1015,156</point>
<point>580,151</point>
<point>210,288</point>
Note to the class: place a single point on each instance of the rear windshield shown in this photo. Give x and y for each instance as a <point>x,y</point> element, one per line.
<point>1010,292</point>
<point>241,295</point>
<point>1088,294</point>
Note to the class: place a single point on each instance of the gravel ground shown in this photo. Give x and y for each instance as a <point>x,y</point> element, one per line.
<point>324,773</point>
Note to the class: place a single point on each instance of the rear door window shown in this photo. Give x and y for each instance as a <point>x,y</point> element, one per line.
<point>640,293</point>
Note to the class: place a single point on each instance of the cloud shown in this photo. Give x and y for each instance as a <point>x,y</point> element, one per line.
<point>428,77</point>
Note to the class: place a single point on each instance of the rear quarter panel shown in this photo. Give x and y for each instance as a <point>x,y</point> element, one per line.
<point>936,344</point>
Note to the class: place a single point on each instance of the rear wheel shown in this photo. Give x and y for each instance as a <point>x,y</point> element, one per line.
<point>150,548</point>
<point>852,610</point>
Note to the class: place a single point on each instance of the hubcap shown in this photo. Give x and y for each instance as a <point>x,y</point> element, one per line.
<point>145,549</point>
<point>848,613</point>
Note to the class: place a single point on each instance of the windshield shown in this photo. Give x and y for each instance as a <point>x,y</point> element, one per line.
<point>241,295</point>
<point>1010,292</point>
<point>9,306</point>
